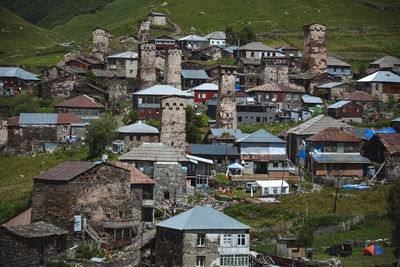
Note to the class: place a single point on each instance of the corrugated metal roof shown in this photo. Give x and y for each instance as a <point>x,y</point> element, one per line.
<point>212,150</point>
<point>309,99</point>
<point>333,135</point>
<point>66,171</point>
<point>36,230</point>
<point>339,158</point>
<point>329,85</point>
<point>333,61</point>
<point>194,74</point>
<point>194,38</point>
<point>138,127</point>
<point>18,73</point>
<point>261,136</point>
<point>153,152</point>
<point>391,141</point>
<point>398,119</point>
<point>237,133</point>
<point>157,14</point>
<point>37,118</point>
<point>81,101</point>
<point>191,157</point>
<point>339,104</point>
<point>162,90</point>
<point>381,77</point>
<point>274,87</point>
<point>216,35</point>
<point>127,54</point>
<point>206,87</point>
<point>231,48</point>
<point>358,96</point>
<point>257,46</point>
<point>317,124</point>
<point>387,62</point>
<point>202,218</point>
<point>137,177</point>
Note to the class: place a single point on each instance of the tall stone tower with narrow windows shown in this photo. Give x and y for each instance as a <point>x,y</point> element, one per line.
<point>100,44</point>
<point>144,31</point>
<point>226,107</point>
<point>173,67</point>
<point>314,49</point>
<point>275,70</point>
<point>173,122</point>
<point>147,65</point>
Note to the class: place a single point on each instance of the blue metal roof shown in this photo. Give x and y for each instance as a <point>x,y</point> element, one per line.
<point>214,150</point>
<point>38,118</point>
<point>231,48</point>
<point>329,85</point>
<point>381,76</point>
<point>162,90</point>
<point>339,158</point>
<point>18,73</point>
<point>138,127</point>
<point>194,74</point>
<point>261,136</point>
<point>237,133</point>
<point>309,99</point>
<point>339,104</point>
<point>157,14</point>
<point>202,218</point>
<point>193,38</point>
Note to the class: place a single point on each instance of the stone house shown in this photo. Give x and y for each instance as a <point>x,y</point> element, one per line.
<point>87,63</point>
<point>382,84</point>
<point>93,91</point>
<point>217,38</point>
<point>136,134</point>
<point>309,81</point>
<point>389,63</point>
<point>210,53</point>
<point>334,90</point>
<point>192,78</point>
<point>62,86</point>
<point>346,111</point>
<point>15,80</point>
<point>296,136</point>
<point>278,95</point>
<point>222,136</point>
<point>202,236</point>
<point>32,244</point>
<point>248,65</point>
<point>157,18</point>
<point>314,49</point>
<point>261,152</point>
<point>164,165</point>
<point>362,98</point>
<point>54,72</point>
<point>338,68</point>
<point>37,131</point>
<point>82,106</point>
<point>126,61</point>
<point>257,50</point>
<point>87,198</point>
<point>384,148</point>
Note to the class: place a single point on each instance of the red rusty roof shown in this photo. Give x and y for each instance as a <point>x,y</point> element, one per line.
<point>82,101</point>
<point>137,177</point>
<point>66,171</point>
<point>67,118</point>
<point>96,88</point>
<point>13,121</point>
<point>333,134</point>
<point>263,157</point>
<point>358,96</point>
<point>274,87</point>
<point>391,141</point>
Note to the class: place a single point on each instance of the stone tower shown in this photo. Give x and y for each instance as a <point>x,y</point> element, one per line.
<point>173,67</point>
<point>144,31</point>
<point>275,70</point>
<point>314,49</point>
<point>100,44</point>
<point>173,122</point>
<point>147,65</point>
<point>226,108</point>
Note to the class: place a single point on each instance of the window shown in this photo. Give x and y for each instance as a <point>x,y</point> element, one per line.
<point>288,97</point>
<point>252,54</point>
<point>296,97</point>
<point>239,119</point>
<point>131,72</point>
<point>227,240</point>
<point>234,260</point>
<point>200,261</point>
<point>258,119</point>
<point>219,161</point>
<point>166,195</point>
<point>132,64</point>
<point>138,138</point>
<point>201,238</point>
<point>65,128</point>
<point>241,240</point>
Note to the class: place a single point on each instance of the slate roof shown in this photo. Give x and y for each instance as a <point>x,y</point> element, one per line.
<point>194,74</point>
<point>216,35</point>
<point>309,99</point>
<point>36,230</point>
<point>109,73</point>
<point>137,177</point>
<point>81,101</point>
<point>212,150</point>
<point>332,134</point>
<point>162,90</point>
<point>274,87</point>
<point>202,218</point>
<point>391,141</point>
<point>261,136</point>
<point>339,104</point>
<point>329,85</point>
<point>127,54</point>
<point>358,96</point>
<point>237,133</point>
<point>138,127</point>
<point>154,152</point>
<point>206,87</point>
<point>257,46</point>
<point>331,157</point>
<point>381,77</point>
<point>16,72</point>
<point>194,38</point>
<point>66,171</point>
<point>251,61</point>
<point>333,61</point>
<point>387,62</point>
<point>317,124</point>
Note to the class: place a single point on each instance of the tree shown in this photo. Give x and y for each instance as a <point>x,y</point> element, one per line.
<point>230,36</point>
<point>393,200</point>
<point>99,134</point>
<point>193,124</point>
<point>25,102</point>
<point>131,117</point>
<point>247,35</point>
<point>305,236</point>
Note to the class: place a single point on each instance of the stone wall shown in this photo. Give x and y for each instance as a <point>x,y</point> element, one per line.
<point>3,126</point>
<point>169,247</point>
<point>275,70</point>
<point>210,250</point>
<point>172,70</point>
<point>100,44</point>
<point>60,87</point>
<point>144,31</point>
<point>170,181</point>
<point>147,68</point>
<point>52,73</point>
<point>226,108</point>
<point>30,138</point>
<point>314,49</point>
<point>173,122</point>
<point>136,198</point>
<point>392,166</point>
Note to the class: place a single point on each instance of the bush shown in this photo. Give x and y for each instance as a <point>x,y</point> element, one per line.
<point>99,134</point>
<point>83,251</point>
<point>57,264</point>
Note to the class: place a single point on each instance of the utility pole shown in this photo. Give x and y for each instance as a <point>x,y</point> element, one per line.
<point>337,188</point>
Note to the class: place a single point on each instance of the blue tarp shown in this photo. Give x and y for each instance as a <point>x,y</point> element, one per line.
<point>348,187</point>
<point>370,133</point>
<point>302,154</point>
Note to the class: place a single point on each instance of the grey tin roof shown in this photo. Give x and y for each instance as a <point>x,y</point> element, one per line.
<point>329,85</point>
<point>237,133</point>
<point>316,125</point>
<point>138,127</point>
<point>157,14</point>
<point>339,158</point>
<point>127,54</point>
<point>333,61</point>
<point>261,136</point>
<point>231,48</point>
<point>386,62</point>
<point>396,120</point>
<point>212,150</point>
<point>202,218</point>
<point>38,118</point>
<point>154,152</point>
<point>381,77</point>
<point>339,104</point>
<point>194,38</point>
<point>309,99</point>
<point>257,46</point>
<point>162,90</point>
<point>205,87</point>
<point>216,35</point>
<point>18,73</point>
<point>194,74</point>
